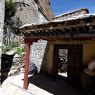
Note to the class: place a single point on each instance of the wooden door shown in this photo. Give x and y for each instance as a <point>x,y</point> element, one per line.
<point>73,63</point>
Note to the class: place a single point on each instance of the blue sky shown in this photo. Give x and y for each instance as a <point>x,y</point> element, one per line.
<point>63,6</point>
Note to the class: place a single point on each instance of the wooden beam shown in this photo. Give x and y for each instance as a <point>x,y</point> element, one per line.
<point>60,38</point>
<point>26,66</point>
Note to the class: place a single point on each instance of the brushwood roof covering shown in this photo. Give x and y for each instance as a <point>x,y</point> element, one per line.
<point>76,28</point>
<point>75,21</point>
<point>74,11</point>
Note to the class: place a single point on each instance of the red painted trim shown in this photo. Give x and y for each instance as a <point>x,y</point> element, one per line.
<point>26,66</point>
<point>30,41</point>
<point>65,38</point>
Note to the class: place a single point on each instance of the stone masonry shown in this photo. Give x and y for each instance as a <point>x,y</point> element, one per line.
<point>45,5</point>
<point>29,11</point>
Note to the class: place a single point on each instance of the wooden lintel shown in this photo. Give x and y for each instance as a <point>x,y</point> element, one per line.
<point>65,38</point>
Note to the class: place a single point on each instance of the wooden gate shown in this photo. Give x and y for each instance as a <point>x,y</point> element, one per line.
<point>75,52</point>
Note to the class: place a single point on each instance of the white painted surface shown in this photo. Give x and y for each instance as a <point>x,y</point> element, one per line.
<point>2,10</point>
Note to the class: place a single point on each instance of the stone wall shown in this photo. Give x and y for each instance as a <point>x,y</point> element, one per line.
<point>28,12</point>
<point>46,8</point>
<point>37,51</point>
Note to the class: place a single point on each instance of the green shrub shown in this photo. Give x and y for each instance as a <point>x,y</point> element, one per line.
<point>9,47</point>
<point>14,44</point>
<point>20,50</point>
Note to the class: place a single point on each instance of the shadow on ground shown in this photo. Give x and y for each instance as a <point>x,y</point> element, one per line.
<point>57,87</point>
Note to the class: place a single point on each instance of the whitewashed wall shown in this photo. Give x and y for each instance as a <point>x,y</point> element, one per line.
<point>2,10</point>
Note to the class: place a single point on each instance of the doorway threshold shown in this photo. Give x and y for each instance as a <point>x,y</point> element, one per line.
<point>63,74</point>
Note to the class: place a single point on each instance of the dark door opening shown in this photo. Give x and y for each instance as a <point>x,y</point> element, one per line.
<point>67,61</point>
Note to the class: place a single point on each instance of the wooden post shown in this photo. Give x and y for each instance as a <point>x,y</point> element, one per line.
<point>26,66</point>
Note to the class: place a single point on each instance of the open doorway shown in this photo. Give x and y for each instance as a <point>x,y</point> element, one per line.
<point>62,62</point>
<point>67,61</point>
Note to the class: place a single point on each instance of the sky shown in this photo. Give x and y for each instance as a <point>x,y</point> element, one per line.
<point>63,6</point>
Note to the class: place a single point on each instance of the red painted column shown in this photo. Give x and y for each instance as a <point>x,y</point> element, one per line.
<point>26,66</point>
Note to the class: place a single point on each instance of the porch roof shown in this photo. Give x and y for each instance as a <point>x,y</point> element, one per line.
<point>83,25</point>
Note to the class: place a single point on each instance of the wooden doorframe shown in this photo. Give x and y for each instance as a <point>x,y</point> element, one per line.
<point>65,46</point>
<point>55,58</point>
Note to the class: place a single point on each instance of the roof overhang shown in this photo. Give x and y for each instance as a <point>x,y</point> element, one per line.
<point>83,26</point>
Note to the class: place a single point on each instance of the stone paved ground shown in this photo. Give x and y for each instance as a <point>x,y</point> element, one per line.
<point>38,85</point>
<point>14,84</point>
